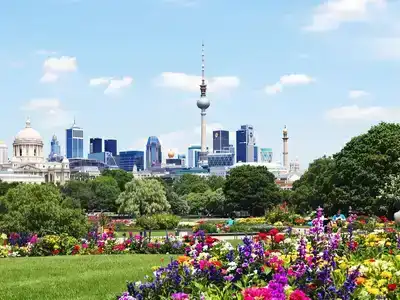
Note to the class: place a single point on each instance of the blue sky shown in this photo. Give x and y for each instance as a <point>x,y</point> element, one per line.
<point>129,69</point>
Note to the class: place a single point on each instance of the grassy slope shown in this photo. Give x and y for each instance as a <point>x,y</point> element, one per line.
<point>73,277</point>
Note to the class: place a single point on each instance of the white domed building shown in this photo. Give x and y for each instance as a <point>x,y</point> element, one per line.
<point>28,163</point>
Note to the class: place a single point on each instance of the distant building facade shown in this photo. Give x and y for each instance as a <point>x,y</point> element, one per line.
<point>96,145</point>
<point>245,142</point>
<point>110,145</point>
<point>105,157</point>
<point>129,159</point>
<point>193,156</point>
<point>153,152</point>
<point>266,155</point>
<point>220,140</point>
<point>182,157</point>
<point>255,154</point>
<point>74,142</point>
<point>3,153</point>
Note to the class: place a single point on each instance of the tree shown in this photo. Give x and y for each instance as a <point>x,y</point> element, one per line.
<point>5,186</point>
<point>215,182</point>
<point>250,188</point>
<point>143,197</point>
<point>189,183</point>
<point>388,199</point>
<point>40,209</point>
<point>106,192</point>
<point>214,201</point>
<point>179,205</point>
<point>121,176</point>
<point>363,167</point>
<point>80,191</point>
<point>314,187</point>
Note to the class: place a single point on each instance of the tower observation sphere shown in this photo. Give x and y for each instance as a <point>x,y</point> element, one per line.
<point>203,103</point>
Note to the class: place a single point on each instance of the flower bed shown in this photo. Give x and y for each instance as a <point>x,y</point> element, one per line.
<point>275,265</point>
<point>16,245</point>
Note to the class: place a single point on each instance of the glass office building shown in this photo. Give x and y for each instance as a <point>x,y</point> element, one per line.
<point>266,154</point>
<point>255,154</point>
<point>220,140</point>
<point>153,152</point>
<point>193,156</point>
<point>74,142</point>
<point>96,145</point>
<point>245,143</point>
<point>128,159</point>
<point>111,146</point>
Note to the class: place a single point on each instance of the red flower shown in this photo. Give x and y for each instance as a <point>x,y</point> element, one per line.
<point>392,286</point>
<point>217,264</point>
<point>56,251</point>
<point>312,286</point>
<point>77,247</point>
<point>273,232</point>
<point>261,236</point>
<point>279,238</point>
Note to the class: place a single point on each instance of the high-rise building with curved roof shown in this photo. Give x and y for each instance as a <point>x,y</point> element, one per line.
<point>153,152</point>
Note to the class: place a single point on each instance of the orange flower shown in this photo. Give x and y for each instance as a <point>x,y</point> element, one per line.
<point>360,280</point>
<point>182,259</point>
<point>217,264</point>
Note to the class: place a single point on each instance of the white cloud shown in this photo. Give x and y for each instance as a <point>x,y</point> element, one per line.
<point>356,94</point>
<point>54,66</point>
<point>191,83</point>
<point>371,113</point>
<point>45,52</point>
<point>49,77</point>
<point>113,84</point>
<point>62,64</point>
<point>332,13</point>
<point>179,141</point>
<point>288,80</point>
<point>49,111</point>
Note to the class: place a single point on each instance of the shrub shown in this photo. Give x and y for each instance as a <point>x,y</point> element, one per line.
<point>159,221</point>
<point>54,245</point>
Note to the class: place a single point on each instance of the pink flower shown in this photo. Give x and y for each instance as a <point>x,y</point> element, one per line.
<point>255,293</point>
<point>298,295</point>
<point>84,246</point>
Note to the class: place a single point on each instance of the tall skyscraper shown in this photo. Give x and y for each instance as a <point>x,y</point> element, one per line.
<point>3,153</point>
<point>266,155</point>
<point>285,139</point>
<point>193,156</point>
<point>110,145</point>
<point>220,140</point>
<point>55,149</point>
<point>153,152</point>
<point>74,142</point>
<point>96,145</point>
<point>245,142</point>
<point>129,159</point>
<point>203,103</point>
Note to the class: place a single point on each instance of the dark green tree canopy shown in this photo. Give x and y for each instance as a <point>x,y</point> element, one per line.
<point>121,176</point>
<point>250,188</point>
<point>355,175</point>
<point>40,209</point>
<point>189,183</point>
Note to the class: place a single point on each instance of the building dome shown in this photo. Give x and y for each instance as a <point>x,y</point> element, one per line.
<point>28,134</point>
<point>171,154</point>
<point>203,103</point>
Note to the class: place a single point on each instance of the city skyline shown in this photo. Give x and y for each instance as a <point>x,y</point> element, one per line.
<point>308,65</point>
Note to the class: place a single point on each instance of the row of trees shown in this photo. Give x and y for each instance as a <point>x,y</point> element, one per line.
<point>364,175</point>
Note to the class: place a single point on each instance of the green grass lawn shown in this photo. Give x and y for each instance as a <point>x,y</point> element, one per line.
<point>73,277</point>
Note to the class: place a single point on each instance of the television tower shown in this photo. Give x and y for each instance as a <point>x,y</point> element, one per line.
<point>203,103</point>
<point>285,139</point>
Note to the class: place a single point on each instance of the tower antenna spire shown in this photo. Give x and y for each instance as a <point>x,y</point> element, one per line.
<point>203,86</point>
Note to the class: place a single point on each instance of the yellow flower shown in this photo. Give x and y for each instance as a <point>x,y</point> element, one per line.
<point>388,243</point>
<point>343,265</point>
<point>386,274</point>
<point>155,268</point>
<point>398,256</point>
<point>373,291</point>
